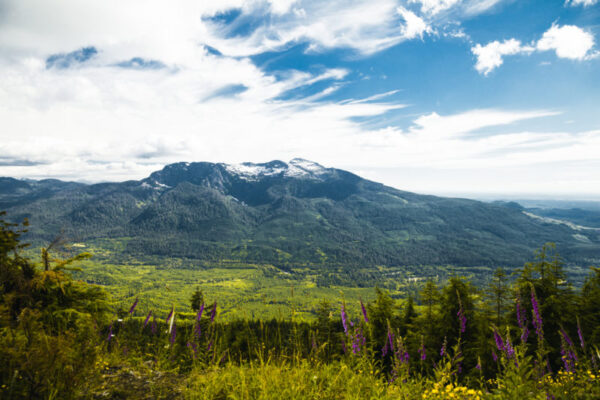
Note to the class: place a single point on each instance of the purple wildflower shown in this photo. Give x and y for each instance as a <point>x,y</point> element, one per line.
<point>537,318</point>
<point>423,352</point>
<point>569,345</point>
<point>133,306</point>
<point>213,313</point>
<point>199,315</point>
<point>580,334</point>
<point>443,349</point>
<point>170,314</point>
<point>391,338</point>
<point>522,321</point>
<point>478,366</point>
<point>498,339</point>
<point>147,318</point>
<point>356,345</point>
<point>384,349</point>
<point>565,358</point>
<point>344,319</point>
<point>566,337</point>
<point>524,334</point>
<point>198,331</point>
<point>510,351</point>
<point>358,340</point>
<point>364,311</point>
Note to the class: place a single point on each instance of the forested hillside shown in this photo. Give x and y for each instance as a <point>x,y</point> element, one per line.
<point>287,214</point>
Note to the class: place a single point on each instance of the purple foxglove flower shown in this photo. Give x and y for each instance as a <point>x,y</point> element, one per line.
<point>199,315</point>
<point>524,334</point>
<point>443,349</point>
<point>422,351</point>
<point>537,318</point>
<point>498,339</point>
<point>170,315</point>
<point>580,334</point>
<point>344,319</point>
<point>356,345</point>
<point>364,311</point>
<point>391,339</point>
<point>213,313</point>
<point>566,337</point>
<point>147,318</point>
<point>384,350</point>
<point>510,351</point>
<point>133,306</point>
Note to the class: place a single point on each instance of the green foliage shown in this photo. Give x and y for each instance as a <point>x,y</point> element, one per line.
<point>56,340</point>
<point>48,323</point>
<point>197,299</point>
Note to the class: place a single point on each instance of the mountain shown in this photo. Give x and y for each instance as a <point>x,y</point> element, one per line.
<point>289,214</point>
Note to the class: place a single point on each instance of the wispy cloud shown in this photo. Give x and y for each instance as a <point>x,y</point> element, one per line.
<point>584,3</point>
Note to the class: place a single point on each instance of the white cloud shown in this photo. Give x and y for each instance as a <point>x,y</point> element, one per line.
<point>281,6</point>
<point>435,6</point>
<point>491,55</point>
<point>460,8</point>
<point>100,122</point>
<point>414,25</point>
<point>364,26</point>
<point>584,3</point>
<point>567,41</point>
<point>458,124</point>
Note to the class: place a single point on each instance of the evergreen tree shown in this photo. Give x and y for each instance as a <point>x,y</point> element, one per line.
<point>197,299</point>
<point>499,294</point>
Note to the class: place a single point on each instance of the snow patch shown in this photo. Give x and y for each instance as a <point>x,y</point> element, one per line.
<point>297,168</point>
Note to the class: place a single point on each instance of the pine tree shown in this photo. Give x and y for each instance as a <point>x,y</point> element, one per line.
<point>197,299</point>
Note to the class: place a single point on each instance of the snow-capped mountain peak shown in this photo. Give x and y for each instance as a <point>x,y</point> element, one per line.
<point>296,168</point>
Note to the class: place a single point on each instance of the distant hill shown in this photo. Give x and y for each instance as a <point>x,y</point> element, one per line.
<point>296,213</point>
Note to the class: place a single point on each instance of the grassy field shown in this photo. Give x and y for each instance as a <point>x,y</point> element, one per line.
<point>247,291</point>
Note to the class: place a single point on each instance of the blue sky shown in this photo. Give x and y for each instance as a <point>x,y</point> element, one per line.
<point>451,97</point>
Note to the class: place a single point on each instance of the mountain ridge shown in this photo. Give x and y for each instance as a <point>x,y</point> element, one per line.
<point>295,213</point>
